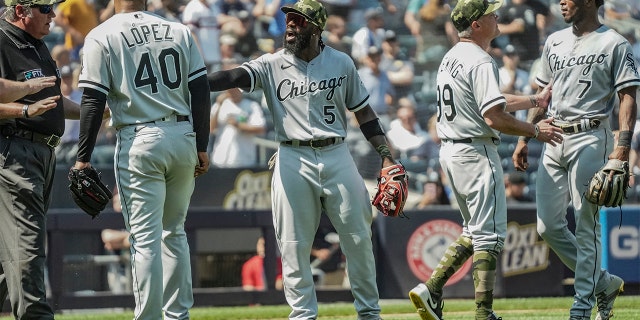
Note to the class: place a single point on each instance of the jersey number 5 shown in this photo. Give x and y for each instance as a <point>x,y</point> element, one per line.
<point>145,75</point>
<point>446,106</point>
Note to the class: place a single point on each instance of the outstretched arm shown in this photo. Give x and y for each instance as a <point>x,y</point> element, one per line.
<point>226,79</point>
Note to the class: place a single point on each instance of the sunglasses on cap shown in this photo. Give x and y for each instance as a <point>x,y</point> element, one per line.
<point>298,20</point>
<point>43,8</point>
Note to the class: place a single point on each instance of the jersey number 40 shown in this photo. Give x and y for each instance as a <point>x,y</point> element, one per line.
<point>167,59</point>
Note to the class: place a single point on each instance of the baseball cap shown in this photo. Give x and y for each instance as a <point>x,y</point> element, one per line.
<point>517,177</point>
<point>312,10</point>
<point>10,3</point>
<point>468,11</point>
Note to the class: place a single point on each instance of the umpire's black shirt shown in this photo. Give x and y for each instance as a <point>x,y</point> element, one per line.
<point>23,57</point>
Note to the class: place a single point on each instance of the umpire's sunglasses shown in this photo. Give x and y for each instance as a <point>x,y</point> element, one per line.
<point>43,8</point>
<point>298,19</point>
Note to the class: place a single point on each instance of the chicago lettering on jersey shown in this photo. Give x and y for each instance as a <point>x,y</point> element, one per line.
<point>288,89</point>
<point>144,33</point>
<point>557,62</point>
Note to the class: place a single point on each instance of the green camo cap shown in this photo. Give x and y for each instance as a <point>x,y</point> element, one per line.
<point>313,10</point>
<point>468,11</point>
<point>10,3</point>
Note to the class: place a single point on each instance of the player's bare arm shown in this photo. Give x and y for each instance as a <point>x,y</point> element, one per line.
<point>627,121</point>
<point>14,90</point>
<point>504,122</point>
<point>21,110</point>
<point>540,100</point>
<point>371,129</point>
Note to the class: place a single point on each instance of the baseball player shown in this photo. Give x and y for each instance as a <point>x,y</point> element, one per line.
<point>591,66</point>
<point>308,88</point>
<point>471,113</point>
<point>151,73</point>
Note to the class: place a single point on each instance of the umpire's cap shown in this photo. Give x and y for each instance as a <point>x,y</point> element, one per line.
<point>468,11</point>
<point>313,10</point>
<point>10,3</point>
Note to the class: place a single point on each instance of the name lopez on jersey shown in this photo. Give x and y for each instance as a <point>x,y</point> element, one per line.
<point>145,33</point>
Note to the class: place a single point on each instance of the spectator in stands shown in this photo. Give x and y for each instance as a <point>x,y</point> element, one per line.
<point>340,8</point>
<point>357,14</point>
<point>76,18</point>
<point>516,183</point>
<point>518,22</point>
<point>247,43</point>
<point>369,35</point>
<point>253,278</point>
<point>513,79</point>
<point>205,20</point>
<point>170,9</point>
<point>277,25</point>
<point>433,191</point>
<point>228,54</point>
<point>335,34</point>
<point>236,120</point>
<point>410,142</point>
<point>381,92</point>
<point>67,150</point>
<point>430,23</point>
<point>398,66</point>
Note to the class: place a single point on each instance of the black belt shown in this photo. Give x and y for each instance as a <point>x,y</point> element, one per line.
<point>179,118</point>
<point>470,140</point>
<point>577,126</point>
<point>313,143</point>
<point>50,140</point>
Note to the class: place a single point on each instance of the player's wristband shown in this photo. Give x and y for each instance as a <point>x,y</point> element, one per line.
<point>535,135</point>
<point>624,139</point>
<point>371,129</point>
<point>25,111</point>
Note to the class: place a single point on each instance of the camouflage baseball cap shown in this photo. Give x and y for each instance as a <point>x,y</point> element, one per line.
<point>313,10</point>
<point>10,3</point>
<point>468,11</point>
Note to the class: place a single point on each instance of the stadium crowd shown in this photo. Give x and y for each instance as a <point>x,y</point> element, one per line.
<point>396,45</point>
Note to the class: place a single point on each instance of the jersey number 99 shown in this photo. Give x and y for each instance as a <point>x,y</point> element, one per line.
<point>145,75</point>
<point>445,103</point>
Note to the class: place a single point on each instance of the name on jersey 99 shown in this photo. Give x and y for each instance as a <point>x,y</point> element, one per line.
<point>143,34</point>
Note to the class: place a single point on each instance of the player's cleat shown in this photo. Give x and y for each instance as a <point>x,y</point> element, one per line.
<point>606,298</point>
<point>428,307</point>
<point>493,316</point>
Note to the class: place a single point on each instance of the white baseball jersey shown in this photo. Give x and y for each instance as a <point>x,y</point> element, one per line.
<point>148,52</point>
<point>470,73</point>
<point>584,69</point>
<point>309,97</point>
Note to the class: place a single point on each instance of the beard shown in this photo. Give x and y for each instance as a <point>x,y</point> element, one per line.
<point>301,42</point>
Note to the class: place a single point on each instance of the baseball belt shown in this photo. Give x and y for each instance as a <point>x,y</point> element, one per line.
<point>493,140</point>
<point>581,125</point>
<point>314,143</point>
<point>51,140</point>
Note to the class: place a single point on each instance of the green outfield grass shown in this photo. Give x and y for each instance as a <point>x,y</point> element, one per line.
<point>626,308</point>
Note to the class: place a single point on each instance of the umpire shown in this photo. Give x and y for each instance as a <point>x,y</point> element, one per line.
<point>30,130</point>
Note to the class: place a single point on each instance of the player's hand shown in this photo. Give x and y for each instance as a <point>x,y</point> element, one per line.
<point>519,156</point>
<point>548,133</point>
<point>106,114</point>
<point>42,106</point>
<point>37,84</point>
<point>543,98</point>
<point>203,164</point>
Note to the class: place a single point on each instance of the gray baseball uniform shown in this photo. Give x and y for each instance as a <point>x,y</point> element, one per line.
<point>587,72</point>
<point>144,65</point>
<point>309,102</point>
<point>468,86</point>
